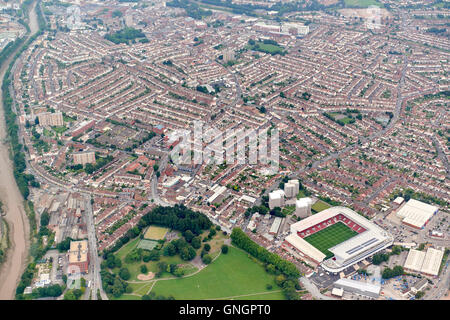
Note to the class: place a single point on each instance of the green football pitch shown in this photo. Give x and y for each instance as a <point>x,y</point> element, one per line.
<point>329,237</point>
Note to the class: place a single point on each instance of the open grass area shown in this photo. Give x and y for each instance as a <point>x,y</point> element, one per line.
<point>230,275</point>
<point>301,194</point>
<point>155,233</point>
<point>362,3</point>
<point>275,295</point>
<point>266,48</point>
<point>122,252</point>
<point>152,266</point>
<point>319,206</point>
<point>129,297</point>
<point>288,210</point>
<point>329,237</point>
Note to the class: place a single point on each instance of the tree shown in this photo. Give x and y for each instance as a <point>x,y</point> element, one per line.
<point>270,268</point>
<point>224,249</point>
<point>196,243</point>
<point>162,267</point>
<point>241,240</point>
<point>207,247</point>
<point>170,250</point>
<point>188,235</point>
<point>124,273</point>
<point>206,259</point>
<point>187,253</point>
<point>419,294</point>
<point>144,269</point>
<point>69,296</point>
<point>45,218</point>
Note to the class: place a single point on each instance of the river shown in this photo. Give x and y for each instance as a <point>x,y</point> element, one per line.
<point>19,231</point>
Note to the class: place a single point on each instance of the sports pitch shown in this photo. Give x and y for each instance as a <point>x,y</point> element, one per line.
<point>155,233</point>
<point>147,244</point>
<point>329,237</point>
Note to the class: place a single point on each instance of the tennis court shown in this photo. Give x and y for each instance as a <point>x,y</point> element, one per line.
<point>155,233</point>
<point>147,244</point>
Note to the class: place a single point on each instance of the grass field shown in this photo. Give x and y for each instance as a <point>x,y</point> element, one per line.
<point>362,3</point>
<point>301,194</point>
<point>329,237</point>
<point>288,210</point>
<point>155,233</point>
<point>319,206</point>
<point>231,275</point>
<point>122,252</point>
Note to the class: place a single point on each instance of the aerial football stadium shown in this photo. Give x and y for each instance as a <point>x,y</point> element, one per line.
<point>336,238</point>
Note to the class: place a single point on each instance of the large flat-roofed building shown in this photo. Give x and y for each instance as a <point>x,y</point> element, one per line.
<point>51,119</point>
<point>363,238</point>
<point>432,262</point>
<point>414,260</point>
<point>275,226</point>
<point>362,288</point>
<point>427,262</point>
<point>78,257</point>
<point>416,214</point>
<point>84,157</point>
<point>294,28</point>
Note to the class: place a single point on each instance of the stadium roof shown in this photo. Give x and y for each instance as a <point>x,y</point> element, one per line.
<point>414,260</point>
<point>356,244</point>
<point>416,213</point>
<point>331,212</point>
<point>305,247</point>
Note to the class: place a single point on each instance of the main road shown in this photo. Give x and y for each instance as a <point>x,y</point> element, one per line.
<point>10,195</point>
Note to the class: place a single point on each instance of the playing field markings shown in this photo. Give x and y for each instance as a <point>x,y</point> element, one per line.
<point>330,236</point>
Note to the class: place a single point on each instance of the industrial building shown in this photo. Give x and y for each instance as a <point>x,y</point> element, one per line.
<point>362,288</point>
<point>275,226</point>
<point>427,262</point>
<point>78,257</point>
<point>416,214</point>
